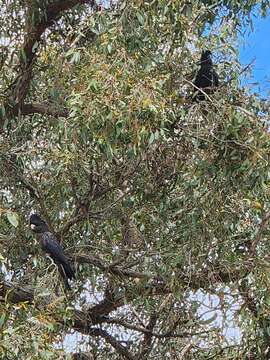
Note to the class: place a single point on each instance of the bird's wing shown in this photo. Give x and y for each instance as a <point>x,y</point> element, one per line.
<point>197,81</point>
<point>215,79</point>
<point>52,247</point>
<point>204,77</point>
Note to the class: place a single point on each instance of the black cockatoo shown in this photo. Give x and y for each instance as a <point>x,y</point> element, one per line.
<point>51,246</point>
<point>206,78</point>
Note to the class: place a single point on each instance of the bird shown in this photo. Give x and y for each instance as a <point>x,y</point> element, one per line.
<point>51,246</point>
<point>206,78</point>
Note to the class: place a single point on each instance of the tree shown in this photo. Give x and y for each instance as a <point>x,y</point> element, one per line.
<point>159,202</point>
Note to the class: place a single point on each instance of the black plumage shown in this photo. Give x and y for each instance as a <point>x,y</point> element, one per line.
<point>206,78</point>
<point>51,246</point>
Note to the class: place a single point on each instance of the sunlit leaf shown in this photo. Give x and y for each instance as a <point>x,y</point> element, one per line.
<point>13,218</point>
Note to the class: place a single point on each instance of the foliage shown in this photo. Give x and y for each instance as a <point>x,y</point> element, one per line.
<point>161,203</point>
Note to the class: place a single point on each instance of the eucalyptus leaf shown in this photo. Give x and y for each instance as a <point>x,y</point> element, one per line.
<point>13,218</point>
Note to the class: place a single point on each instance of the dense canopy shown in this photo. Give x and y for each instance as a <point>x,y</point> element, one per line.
<point>160,203</point>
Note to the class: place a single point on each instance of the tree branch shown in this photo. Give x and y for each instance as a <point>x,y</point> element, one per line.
<point>45,109</point>
<point>112,268</point>
<point>50,14</point>
<point>14,293</point>
<point>122,350</point>
<point>28,52</point>
<point>257,238</point>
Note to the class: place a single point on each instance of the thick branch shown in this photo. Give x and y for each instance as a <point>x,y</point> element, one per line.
<point>46,109</point>
<point>112,268</point>
<point>148,331</point>
<point>18,91</point>
<point>204,279</point>
<point>51,14</point>
<point>116,299</point>
<point>147,342</point>
<point>122,350</point>
<point>14,293</point>
<point>82,356</point>
<point>83,321</point>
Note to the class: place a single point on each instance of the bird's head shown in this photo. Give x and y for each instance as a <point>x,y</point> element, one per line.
<point>37,224</point>
<point>206,56</point>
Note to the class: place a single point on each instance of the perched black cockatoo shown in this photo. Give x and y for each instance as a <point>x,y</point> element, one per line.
<point>51,246</point>
<point>206,78</point>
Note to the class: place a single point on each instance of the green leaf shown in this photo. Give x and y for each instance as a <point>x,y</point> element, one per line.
<point>75,58</point>
<point>140,18</point>
<point>13,218</point>
<point>152,138</point>
<point>93,85</point>
<point>109,48</point>
<point>2,320</point>
<point>35,46</point>
<point>3,111</point>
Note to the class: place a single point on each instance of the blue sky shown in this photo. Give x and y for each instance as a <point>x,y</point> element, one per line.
<point>256,47</point>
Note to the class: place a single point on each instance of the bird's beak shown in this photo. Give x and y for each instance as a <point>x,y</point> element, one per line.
<point>32,226</point>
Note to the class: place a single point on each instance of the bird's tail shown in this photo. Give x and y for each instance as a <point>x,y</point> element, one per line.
<point>68,271</point>
<point>67,286</point>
